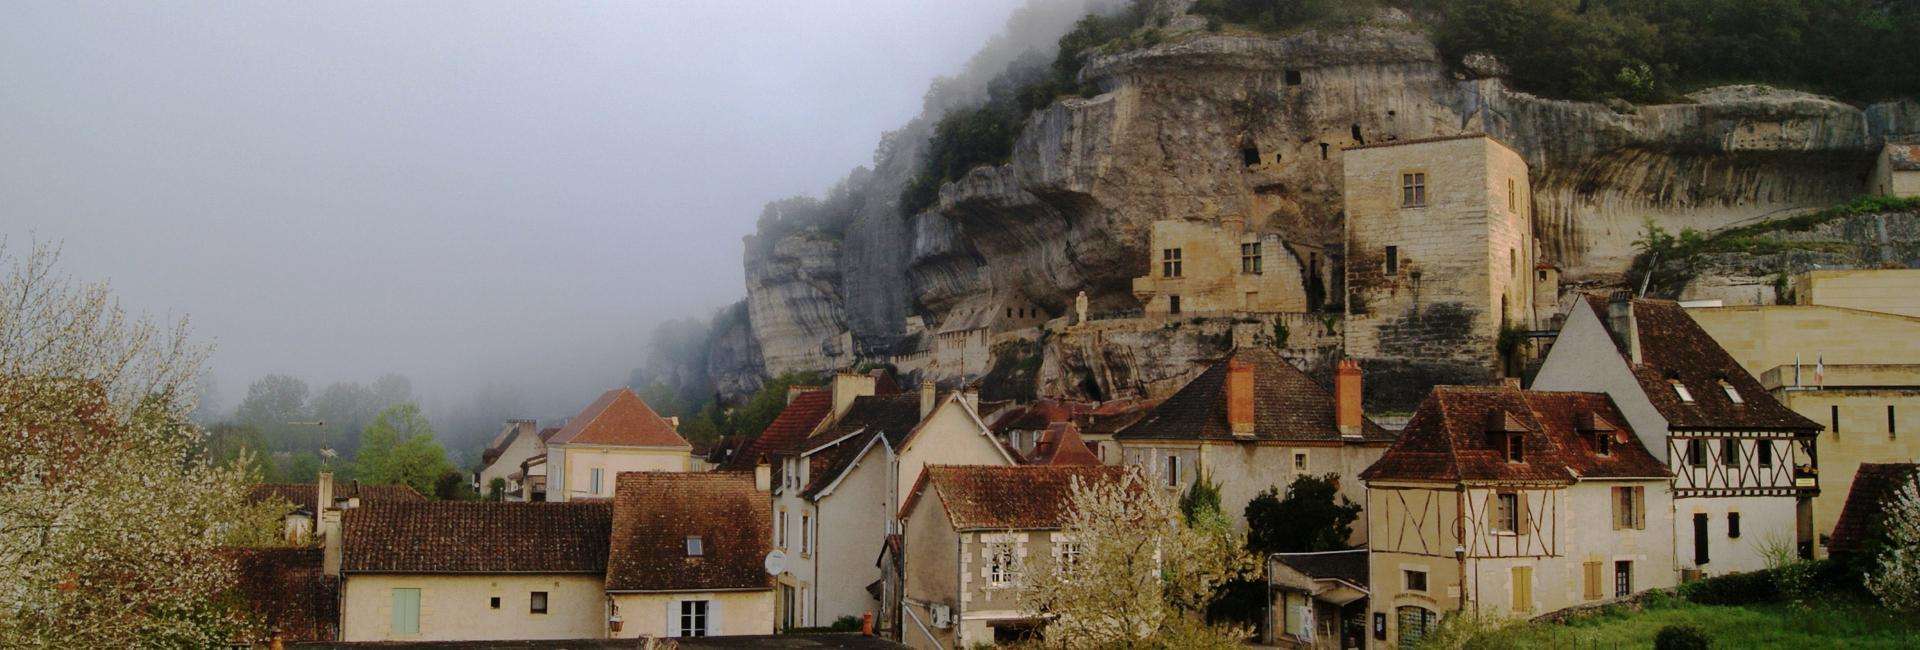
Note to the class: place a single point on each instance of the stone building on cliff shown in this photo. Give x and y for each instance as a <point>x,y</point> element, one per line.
<point>1215,268</point>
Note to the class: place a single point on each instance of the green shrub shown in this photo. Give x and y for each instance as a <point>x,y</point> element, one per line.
<point>1744,588</point>
<point>1681,637</point>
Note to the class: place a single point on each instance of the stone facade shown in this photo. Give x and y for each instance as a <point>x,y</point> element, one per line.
<point>1897,171</point>
<point>1213,268</point>
<point>1892,291</point>
<point>1440,252</point>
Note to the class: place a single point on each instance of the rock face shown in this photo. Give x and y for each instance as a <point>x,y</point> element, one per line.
<point>1170,137</point>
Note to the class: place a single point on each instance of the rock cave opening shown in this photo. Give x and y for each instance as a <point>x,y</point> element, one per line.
<point>1293,77</point>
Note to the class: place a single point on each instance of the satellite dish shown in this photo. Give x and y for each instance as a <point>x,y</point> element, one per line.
<point>776,563</point>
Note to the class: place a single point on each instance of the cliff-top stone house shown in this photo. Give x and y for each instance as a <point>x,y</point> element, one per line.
<point>1220,267</point>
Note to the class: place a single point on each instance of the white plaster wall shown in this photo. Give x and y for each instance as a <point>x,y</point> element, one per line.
<point>1587,534</point>
<point>456,607</point>
<point>581,460</point>
<point>1764,522</point>
<point>1584,358</point>
<point>729,613</point>
<point>525,445</point>
<point>949,436</point>
<point>850,526</point>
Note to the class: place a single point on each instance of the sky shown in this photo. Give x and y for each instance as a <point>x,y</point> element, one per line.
<point>467,193</point>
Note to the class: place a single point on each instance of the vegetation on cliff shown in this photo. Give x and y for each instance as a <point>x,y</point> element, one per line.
<point>1667,261</point>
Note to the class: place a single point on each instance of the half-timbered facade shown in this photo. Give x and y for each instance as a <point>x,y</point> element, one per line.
<point>1511,503</point>
<point>1744,466</point>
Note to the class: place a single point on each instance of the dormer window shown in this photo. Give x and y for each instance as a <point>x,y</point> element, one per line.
<point>696,547</point>
<point>1504,436</point>
<point>1602,443</point>
<point>1515,453</point>
<point>1596,430</point>
<point>1681,390</point>
<point>1732,394</point>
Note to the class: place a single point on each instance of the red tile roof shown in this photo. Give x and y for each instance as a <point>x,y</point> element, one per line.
<point>621,418</point>
<point>891,416</point>
<point>1447,439</point>
<point>1288,406</point>
<point>1674,348</point>
<point>303,495</point>
<point>287,591</point>
<point>1061,445</point>
<point>1874,485</point>
<point>476,537</point>
<point>1019,497</point>
<point>788,429</point>
<point>655,512</point>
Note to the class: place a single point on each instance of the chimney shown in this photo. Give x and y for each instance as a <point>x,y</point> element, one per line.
<point>926,397</point>
<point>322,493</point>
<point>763,477</point>
<point>1620,321</point>
<point>330,541</point>
<point>1240,396</point>
<point>971,397</point>
<point>847,385</point>
<point>1346,398</point>
<point>795,391</point>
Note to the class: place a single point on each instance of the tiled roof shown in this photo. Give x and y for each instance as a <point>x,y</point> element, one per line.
<point>787,430</point>
<point>655,512</point>
<point>1288,405</point>
<point>1447,439</point>
<point>548,433</point>
<point>504,439</point>
<point>476,537</point>
<point>1874,484</point>
<point>893,416</point>
<point>303,495</point>
<point>1018,497</point>
<point>1061,445</point>
<point>619,417</point>
<point>1350,565</point>
<point>1903,157</point>
<point>1674,348</point>
<point>288,591</point>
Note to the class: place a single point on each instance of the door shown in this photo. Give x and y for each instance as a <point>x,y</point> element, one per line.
<point>1700,539</point>
<point>1415,624</point>
<point>1622,578</point>
<point>787,606</point>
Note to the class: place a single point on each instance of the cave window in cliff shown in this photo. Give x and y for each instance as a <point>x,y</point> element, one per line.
<point>1250,155</point>
<point>1293,77</point>
<point>1357,138</point>
<point>1323,150</point>
<point>1250,258</point>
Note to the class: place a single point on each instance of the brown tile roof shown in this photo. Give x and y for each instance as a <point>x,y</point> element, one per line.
<point>655,512</point>
<point>1874,484</point>
<point>288,592</point>
<point>548,433</point>
<point>1349,565</point>
<point>1018,497</point>
<point>619,417</point>
<point>504,439</point>
<point>1675,348</point>
<point>892,416</point>
<point>788,429</point>
<point>303,495</point>
<point>1447,439</point>
<point>1061,445</point>
<point>1288,406</point>
<point>476,537</point>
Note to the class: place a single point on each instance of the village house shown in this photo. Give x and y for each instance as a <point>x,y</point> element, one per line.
<point>838,492</point>
<point>1221,267</point>
<point>1251,422</point>
<point>1897,171</point>
<point>1745,466</point>
<point>299,523</point>
<point>807,408</point>
<point>289,592</point>
<point>502,459</point>
<point>969,534</point>
<point>1511,504</point>
<point>1319,599</point>
<point>1440,254</point>
<point>963,344</point>
<point>616,433</point>
<point>1021,427</point>
<point>686,555</point>
<point>471,570</point>
<point>532,476</point>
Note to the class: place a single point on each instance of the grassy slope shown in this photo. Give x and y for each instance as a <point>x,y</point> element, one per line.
<point>1828,624</point>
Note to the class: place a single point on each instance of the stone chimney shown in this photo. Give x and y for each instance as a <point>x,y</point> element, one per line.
<point>322,493</point>
<point>330,542</point>
<point>847,385</point>
<point>1240,397</point>
<point>1346,398</point>
<point>763,477</point>
<point>926,397</point>
<point>1620,321</point>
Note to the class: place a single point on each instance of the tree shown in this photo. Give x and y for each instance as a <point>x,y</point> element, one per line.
<point>111,514</point>
<point>1143,575</point>
<point>226,441</point>
<point>1312,517</point>
<point>452,485</point>
<point>1897,582</point>
<point>272,405</point>
<point>497,489</point>
<point>345,408</point>
<point>398,449</point>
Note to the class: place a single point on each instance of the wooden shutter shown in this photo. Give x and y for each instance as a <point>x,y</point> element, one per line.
<point>406,611</point>
<point>1640,508</point>
<point>1592,581</point>
<point>1524,519</point>
<point>1620,503</point>
<point>1523,589</point>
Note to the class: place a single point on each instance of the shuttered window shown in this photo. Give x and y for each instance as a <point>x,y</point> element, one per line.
<point>1630,508</point>
<point>1523,589</point>
<point>1591,581</point>
<point>406,611</point>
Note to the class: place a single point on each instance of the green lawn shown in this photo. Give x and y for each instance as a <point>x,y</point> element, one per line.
<point>1835,623</point>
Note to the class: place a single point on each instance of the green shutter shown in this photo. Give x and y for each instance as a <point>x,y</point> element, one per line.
<point>406,611</point>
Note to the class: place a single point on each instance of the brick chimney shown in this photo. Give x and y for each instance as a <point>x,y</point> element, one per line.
<point>1240,396</point>
<point>1346,398</point>
<point>926,397</point>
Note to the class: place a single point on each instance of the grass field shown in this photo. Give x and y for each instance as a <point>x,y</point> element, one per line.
<point>1832,623</point>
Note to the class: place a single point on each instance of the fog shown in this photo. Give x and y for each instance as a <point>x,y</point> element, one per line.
<point>499,197</point>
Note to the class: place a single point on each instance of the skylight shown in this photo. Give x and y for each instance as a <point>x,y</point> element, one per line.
<point>1731,393</point>
<point>1681,390</point>
<point>695,547</point>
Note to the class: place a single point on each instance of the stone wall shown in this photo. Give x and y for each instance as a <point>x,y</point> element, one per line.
<point>1218,272</point>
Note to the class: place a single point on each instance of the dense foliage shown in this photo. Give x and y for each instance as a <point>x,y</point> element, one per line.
<point>1312,516</point>
<point>1895,575</point>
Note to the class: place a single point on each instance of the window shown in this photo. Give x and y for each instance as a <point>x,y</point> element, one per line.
<point>406,611</point>
<point>1700,539</point>
<point>493,603</point>
<point>1173,304</point>
<point>1730,452</point>
<point>1512,196</point>
<point>1506,512</point>
<point>1250,258</point>
<point>1602,443</point>
<point>538,603</point>
<point>1413,190</point>
<point>1323,151</point>
<point>1000,569</point>
<point>1416,580</point>
<point>696,547</point>
<point>1393,260</point>
<point>1293,77</point>
<point>1622,578</point>
<point>1173,471</point>
<point>1514,449</point>
<point>1833,417</point>
<point>1523,589</point>
<point>1629,508</point>
<point>1170,262</point>
<point>593,480</point>
<point>1731,393</point>
<point>1697,452</point>
<point>1733,525</point>
<point>1765,452</point>
<point>1590,583</point>
<point>1686,396</point>
<point>693,618</point>
<point>1250,155</point>
<point>1069,556</point>
<point>1300,462</point>
<point>1890,430</point>
<point>1357,138</point>
<point>806,533</point>
<point>783,529</point>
